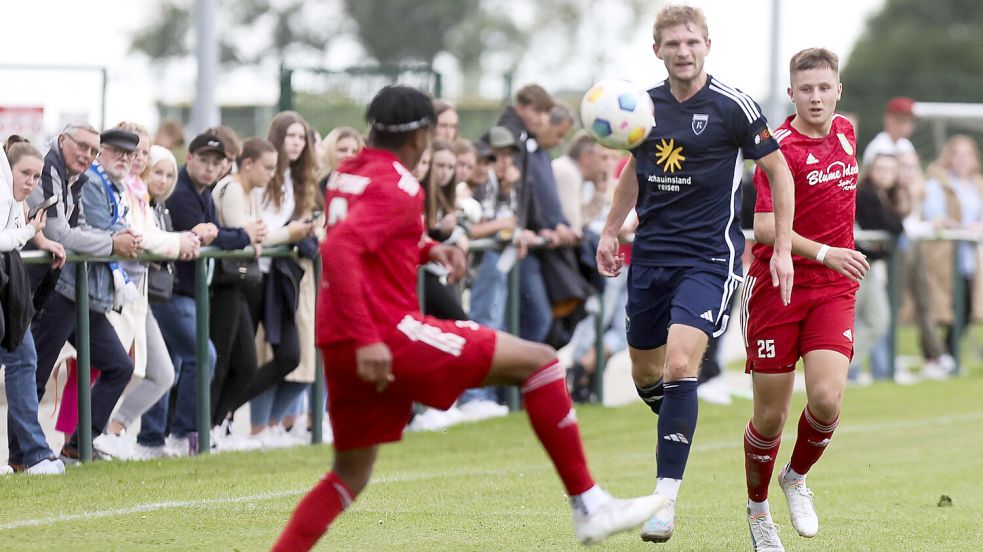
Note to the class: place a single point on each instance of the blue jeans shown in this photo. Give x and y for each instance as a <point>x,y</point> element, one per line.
<point>178,323</point>
<point>489,293</point>
<point>272,405</point>
<point>22,403</point>
<point>535,311</point>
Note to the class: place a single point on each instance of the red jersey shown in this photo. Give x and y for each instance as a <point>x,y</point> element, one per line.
<point>374,244</point>
<point>825,174</point>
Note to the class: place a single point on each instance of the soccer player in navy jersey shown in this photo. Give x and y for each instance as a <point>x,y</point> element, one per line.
<point>381,354</point>
<point>684,182</point>
<point>820,147</point>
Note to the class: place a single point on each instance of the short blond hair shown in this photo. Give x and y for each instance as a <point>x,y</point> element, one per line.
<point>672,15</point>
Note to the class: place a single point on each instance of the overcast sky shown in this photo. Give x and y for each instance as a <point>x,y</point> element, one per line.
<point>97,33</point>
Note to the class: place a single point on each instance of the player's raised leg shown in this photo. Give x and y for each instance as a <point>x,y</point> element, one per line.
<point>533,366</point>
<point>677,423</point>
<point>762,437</point>
<point>825,381</point>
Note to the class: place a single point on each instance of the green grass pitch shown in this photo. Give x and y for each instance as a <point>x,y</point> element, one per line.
<point>488,486</point>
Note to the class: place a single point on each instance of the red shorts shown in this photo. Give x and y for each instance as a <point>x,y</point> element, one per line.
<point>434,361</point>
<point>820,318</point>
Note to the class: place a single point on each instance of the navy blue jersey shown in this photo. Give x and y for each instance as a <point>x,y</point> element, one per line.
<point>689,173</point>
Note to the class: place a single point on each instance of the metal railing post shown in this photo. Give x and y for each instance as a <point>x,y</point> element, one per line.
<point>317,396</point>
<point>202,361</point>
<point>894,297</point>
<point>513,312</point>
<point>958,297</point>
<point>599,357</point>
<point>82,367</point>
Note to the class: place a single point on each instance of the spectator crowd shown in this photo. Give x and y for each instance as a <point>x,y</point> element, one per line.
<point>532,185</point>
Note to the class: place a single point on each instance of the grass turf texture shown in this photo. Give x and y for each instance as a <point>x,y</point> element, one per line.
<point>488,486</point>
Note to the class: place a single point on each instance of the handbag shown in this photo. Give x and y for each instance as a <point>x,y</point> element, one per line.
<point>160,282</point>
<point>237,271</point>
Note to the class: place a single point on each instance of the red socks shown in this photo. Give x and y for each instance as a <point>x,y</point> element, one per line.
<point>814,435</point>
<point>759,462</point>
<point>314,513</point>
<point>553,419</point>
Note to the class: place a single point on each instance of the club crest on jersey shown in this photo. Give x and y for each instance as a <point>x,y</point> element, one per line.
<point>699,123</point>
<point>845,143</point>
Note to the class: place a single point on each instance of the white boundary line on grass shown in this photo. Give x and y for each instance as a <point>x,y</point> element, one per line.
<point>205,502</point>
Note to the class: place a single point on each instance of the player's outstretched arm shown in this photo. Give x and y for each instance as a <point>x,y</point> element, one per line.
<point>783,197</point>
<point>848,262</point>
<point>609,262</point>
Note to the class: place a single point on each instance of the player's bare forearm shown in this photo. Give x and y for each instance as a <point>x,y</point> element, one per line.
<point>625,197</point>
<point>764,232</point>
<point>783,196</point>
<point>848,262</point>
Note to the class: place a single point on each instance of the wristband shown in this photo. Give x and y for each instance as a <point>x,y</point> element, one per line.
<point>821,255</point>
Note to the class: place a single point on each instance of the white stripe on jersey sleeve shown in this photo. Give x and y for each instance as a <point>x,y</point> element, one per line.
<point>741,97</point>
<point>750,118</point>
<point>781,134</point>
<point>748,101</point>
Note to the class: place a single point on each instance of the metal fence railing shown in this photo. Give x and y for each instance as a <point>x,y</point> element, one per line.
<point>512,321</point>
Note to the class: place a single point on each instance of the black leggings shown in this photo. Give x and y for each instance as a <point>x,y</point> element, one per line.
<point>441,300</point>
<point>286,354</point>
<point>234,336</point>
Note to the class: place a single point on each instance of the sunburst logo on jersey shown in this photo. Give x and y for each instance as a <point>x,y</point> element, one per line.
<point>669,156</point>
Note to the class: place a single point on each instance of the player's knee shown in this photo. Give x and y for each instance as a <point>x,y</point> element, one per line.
<point>825,403</point>
<point>678,366</point>
<point>539,355</point>
<point>770,422</point>
<point>645,374</point>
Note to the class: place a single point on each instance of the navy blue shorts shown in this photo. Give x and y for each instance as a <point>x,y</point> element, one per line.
<point>660,296</point>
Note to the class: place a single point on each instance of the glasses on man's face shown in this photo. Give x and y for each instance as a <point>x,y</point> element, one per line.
<point>88,149</point>
<point>118,152</point>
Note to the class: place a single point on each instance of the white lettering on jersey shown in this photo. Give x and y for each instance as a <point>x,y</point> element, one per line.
<point>837,170</point>
<point>345,183</point>
<point>407,182</point>
<point>415,330</point>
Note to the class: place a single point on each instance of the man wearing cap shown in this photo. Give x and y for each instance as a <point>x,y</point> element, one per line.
<point>899,123</point>
<point>101,210</point>
<point>191,209</point>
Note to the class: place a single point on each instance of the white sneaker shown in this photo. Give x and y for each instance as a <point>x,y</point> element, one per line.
<point>615,516</point>
<point>475,411</point>
<point>432,419</point>
<point>47,467</point>
<point>327,433</point>
<point>116,447</point>
<point>764,533</point>
<point>903,377</point>
<point>298,434</point>
<point>938,369</point>
<point>714,391</point>
<point>227,440</point>
<point>800,506</point>
<point>6,469</point>
<point>176,447</point>
<point>141,452</point>
<point>270,438</point>
<point>660,526</point>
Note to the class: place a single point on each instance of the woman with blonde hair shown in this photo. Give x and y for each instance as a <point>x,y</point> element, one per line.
<point>954,199</point>
<point>340,144</point>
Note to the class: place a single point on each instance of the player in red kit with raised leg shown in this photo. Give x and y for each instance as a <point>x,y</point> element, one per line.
<point>817,326</point>
<point>380,354</point>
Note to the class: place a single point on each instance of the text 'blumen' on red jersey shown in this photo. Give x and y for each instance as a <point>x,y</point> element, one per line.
<point>825,173</point>
<point>374,244</point>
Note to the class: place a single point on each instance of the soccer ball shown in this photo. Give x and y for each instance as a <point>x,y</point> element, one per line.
<point>617,113</point>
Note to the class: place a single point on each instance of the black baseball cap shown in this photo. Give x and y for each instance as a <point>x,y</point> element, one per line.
<point>120,139</point>
<point>207,142</point>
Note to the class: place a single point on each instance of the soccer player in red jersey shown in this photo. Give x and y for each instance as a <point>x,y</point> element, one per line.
<point>380,354</point>
<point>817,326</point>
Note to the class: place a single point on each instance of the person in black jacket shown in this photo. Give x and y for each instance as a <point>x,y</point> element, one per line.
<point>881,205</point>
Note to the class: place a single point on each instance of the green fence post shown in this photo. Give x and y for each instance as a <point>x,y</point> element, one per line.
<point>958,297</point>
<point>513,310</point>
<point>286,100</point>
<point>82,370</point>
<point>202,361</point>
<point>317,397</point>
<point>894,295</point>
<point>599,358</point>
